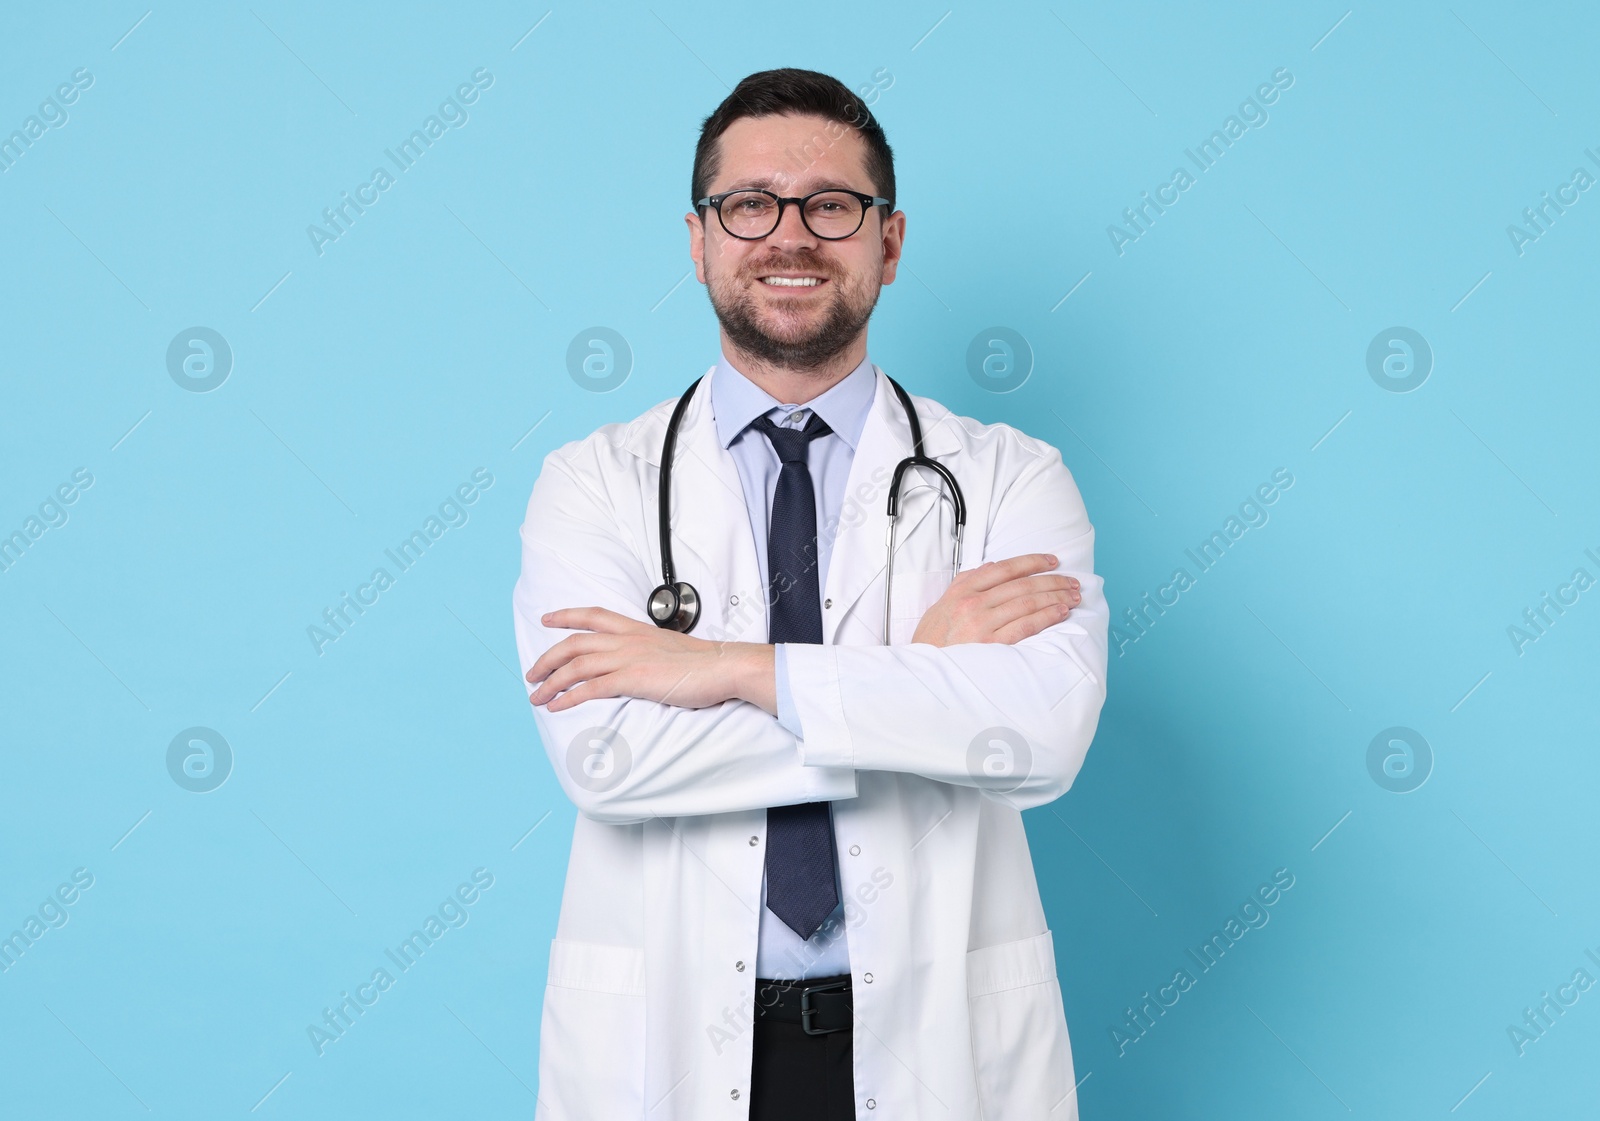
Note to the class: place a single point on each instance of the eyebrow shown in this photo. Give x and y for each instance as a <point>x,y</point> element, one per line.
<point>766,182</point>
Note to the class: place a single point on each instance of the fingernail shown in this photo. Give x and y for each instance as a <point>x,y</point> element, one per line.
<point>1053,558</point>
<point>545,618</point>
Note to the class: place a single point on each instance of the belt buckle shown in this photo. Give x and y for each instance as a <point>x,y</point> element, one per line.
<point>806,1011</point>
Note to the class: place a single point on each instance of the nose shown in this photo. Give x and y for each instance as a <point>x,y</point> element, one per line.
<point>791,229</point>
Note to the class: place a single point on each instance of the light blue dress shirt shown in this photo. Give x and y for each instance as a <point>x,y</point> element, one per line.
<point>736,402</point>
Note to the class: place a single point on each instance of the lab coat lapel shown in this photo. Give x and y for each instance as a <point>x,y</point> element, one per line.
<point>856,562</point>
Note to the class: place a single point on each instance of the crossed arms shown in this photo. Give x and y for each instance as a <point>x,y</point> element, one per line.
<point>1014,649</point>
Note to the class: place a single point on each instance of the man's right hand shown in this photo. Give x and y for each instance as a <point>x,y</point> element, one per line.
<point>1000,601</point>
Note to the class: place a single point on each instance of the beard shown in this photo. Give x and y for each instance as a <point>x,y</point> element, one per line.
<point>787,342</point>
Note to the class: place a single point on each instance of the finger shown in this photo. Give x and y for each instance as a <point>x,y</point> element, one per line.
<point>992,573</point>
<point>1049,603</point>
<point>581,668</point>
<point>550,660</point>
<point>1029,586</point>
<point>1030,625</point>
<point>564,651</point>
<point>597,689</point>
<point>593,619</point>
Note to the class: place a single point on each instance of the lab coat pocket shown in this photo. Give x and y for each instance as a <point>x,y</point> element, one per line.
<point>1020,1050</point>
<point>591,1038</point>
<point>912,594</point>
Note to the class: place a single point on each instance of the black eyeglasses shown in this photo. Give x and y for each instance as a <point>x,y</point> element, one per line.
<point>752,214</point>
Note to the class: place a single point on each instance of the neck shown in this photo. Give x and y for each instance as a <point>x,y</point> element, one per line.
<point>796,385</point>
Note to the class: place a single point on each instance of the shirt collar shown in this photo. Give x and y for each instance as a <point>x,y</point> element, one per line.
<point>736,401</point>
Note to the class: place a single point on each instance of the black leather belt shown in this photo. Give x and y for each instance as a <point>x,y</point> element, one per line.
<point>818,1004</point>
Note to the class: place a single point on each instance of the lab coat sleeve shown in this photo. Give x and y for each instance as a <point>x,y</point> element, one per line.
<point>1014,720</point>
<point>622,759</point>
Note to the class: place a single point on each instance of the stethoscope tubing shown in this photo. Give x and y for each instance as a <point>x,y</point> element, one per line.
<point>675,604</point>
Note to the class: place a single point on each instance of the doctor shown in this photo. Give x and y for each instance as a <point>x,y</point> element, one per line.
<point>799,884</point>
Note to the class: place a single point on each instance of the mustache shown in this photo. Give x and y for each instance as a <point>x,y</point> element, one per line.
<point>800,262</point>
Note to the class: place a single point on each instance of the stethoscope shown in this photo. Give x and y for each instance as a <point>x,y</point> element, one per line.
<point>675,605</point>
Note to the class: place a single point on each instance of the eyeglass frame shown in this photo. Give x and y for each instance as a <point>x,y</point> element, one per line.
<point>867,201</point>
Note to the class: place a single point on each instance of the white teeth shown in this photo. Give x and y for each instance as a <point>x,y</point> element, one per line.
<point>792,282</point>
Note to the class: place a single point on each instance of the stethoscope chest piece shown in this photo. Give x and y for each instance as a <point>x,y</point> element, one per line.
<point>675,607</point>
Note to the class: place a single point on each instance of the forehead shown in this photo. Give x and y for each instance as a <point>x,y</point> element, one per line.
<point>793,151</point>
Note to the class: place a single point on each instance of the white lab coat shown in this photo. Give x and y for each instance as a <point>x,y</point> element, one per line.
<point>958,1012</point>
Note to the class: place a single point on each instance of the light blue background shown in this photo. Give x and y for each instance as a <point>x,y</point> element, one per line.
<point>369,780</point>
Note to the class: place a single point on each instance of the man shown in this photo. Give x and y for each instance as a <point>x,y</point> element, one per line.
<point>799,884</point>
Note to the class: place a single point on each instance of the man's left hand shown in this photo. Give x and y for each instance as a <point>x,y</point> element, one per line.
<point>616,656</point>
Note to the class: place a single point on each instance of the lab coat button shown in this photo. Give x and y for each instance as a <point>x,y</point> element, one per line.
<point>855,850</point>
<point>827,602</point>
<point>739,965</point>
<point>872,1103</point>
<point>734,600</point>
<point>867,977</point>
<point>734,1093</point>
<point>754,841</point>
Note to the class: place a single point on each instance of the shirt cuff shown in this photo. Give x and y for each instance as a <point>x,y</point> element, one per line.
<point>788,715</point>
<point>814,668</point>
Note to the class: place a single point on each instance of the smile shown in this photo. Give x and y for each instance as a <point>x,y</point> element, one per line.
<point>792,281</point>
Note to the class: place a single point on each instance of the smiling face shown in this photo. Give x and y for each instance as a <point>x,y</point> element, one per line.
<point>792,300</point>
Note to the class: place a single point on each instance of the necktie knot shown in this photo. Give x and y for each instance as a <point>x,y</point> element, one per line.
<point>792,444</point>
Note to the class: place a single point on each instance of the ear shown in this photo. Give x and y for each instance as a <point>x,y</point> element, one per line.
<point>697,244</point>
<point>894,238</point>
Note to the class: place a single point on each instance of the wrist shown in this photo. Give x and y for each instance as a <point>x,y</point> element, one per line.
<point>757,677</point>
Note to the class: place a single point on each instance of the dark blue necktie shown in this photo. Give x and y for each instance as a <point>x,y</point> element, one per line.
<point>801,888</point>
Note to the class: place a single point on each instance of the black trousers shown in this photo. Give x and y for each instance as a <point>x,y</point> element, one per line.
<point>799,1077</point>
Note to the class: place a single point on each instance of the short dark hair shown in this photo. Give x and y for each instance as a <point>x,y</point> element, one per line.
<point>790,91</point>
